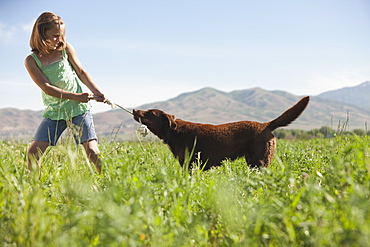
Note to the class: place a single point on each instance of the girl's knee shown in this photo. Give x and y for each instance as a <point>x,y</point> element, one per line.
<point>91,147</point>
<point>37,148</point>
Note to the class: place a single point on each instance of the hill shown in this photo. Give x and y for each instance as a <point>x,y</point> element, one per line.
<point>212,106</point>
<point>18,124</point>
<point>207,105</point>
<point>357,95</point>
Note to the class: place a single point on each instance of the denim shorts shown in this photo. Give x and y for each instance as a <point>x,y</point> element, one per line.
<point>82,128</point>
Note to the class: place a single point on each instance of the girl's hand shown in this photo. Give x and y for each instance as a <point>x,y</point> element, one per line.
<point>84,97</point>
<point>99,97</point>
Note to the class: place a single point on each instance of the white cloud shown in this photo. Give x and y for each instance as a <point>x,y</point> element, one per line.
<point>6,32</point>
<point>27,27</point>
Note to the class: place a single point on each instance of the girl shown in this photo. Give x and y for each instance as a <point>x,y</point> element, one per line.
<point>54,66</point>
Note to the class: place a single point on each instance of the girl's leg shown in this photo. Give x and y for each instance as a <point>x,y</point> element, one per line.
<point>92,151</point>
<point>87,137</point>
<point>34,153</point>
<point>46,134</point>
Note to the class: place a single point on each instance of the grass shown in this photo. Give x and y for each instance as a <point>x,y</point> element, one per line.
<point>315,193</point>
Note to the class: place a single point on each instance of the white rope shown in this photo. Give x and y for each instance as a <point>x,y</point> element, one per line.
<point>142,130</point>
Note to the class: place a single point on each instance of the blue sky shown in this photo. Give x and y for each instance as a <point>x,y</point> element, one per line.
<point>146,51</point>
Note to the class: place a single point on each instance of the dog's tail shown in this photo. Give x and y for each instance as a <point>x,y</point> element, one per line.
<point>289,115</point>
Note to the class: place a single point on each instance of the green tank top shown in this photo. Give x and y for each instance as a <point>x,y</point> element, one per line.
<point>62,75</point>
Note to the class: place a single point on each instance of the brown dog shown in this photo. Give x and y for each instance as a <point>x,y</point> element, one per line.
<point>248,139</point>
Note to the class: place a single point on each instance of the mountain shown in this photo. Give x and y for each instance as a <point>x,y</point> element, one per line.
<point>357,95</point>
<point>18,124</point>
<point>207,105</point>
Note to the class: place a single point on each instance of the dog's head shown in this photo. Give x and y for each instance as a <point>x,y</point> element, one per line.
<point>157,121</point>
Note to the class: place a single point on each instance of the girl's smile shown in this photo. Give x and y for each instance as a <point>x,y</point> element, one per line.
<point>54,36</point>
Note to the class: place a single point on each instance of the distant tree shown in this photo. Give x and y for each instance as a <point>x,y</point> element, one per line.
<point>281,134</point>
<point>359,132</point>
<point>319,135</point>
<point>299,134</point>
<point>326,131</point>
<point>323,132</point>
<point>313,132</point>
<point>346,133</point>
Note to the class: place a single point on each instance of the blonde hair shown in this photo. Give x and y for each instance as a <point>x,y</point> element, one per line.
<point>38,42</point>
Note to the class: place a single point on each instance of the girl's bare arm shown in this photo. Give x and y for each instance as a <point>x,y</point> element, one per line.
<point>41,81</point>
<point>82,74</point>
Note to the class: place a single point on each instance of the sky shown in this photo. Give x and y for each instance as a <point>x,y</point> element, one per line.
<point>145,51</point>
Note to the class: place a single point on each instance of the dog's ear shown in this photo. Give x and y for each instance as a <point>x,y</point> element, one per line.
<point>171,121</point>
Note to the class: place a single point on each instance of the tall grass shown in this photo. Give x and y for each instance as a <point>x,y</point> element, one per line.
<point>315,193</point>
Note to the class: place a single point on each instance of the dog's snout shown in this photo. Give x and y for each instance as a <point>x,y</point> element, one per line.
<point>136,112</point>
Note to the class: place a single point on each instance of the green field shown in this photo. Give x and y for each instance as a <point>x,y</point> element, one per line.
<point>315,193</point>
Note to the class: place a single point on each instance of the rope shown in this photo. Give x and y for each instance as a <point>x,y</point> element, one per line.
<point>142,130</point>
<point>112,104</point>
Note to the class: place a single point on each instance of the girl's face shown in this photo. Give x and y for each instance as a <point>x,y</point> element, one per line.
<point>54,36</point>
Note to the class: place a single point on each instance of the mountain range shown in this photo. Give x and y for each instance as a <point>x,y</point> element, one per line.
<point>347,107</point>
